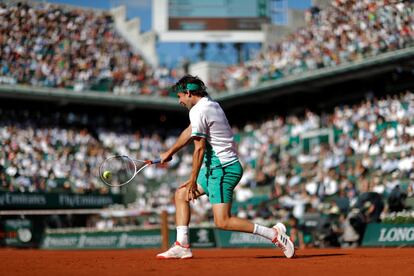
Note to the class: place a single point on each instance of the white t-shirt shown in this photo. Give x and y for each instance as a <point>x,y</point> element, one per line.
<point>209,121</point>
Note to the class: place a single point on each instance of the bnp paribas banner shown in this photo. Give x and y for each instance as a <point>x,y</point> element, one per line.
<point>199,237</point>
<point>388,235</point>
<point>103,240</point>
<point>238,239</point>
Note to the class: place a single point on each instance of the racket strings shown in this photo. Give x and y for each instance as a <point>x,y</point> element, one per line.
<point>118,170</point>
<point>127,170</point>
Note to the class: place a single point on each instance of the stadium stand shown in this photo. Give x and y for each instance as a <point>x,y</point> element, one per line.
<point>98,59</point>
<point>68,47</point>
<point>371,147</point>
<point>345,31</point>
<point>62,151</point>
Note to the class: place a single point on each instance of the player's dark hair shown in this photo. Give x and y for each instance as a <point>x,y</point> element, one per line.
<point>191,84</point>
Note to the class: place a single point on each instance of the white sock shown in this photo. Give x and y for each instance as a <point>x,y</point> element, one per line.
<point>263,231</point>
<point>182,235</point>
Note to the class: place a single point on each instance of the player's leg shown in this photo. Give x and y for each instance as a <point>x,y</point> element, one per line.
<point>181,248</point>
<point>276,234</point>
<point>224,220</point>
<point>183,213</point>
<point>222,184</point>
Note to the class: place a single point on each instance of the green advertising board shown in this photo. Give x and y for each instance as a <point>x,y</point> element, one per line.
<point>103,240</point>
<point>15,200</point>
<point>388,235</point>
<point>239,239</point>
<point>117,239</point>
<point>212,237</point>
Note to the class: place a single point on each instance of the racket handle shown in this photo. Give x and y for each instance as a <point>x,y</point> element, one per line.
<point>157,161</point>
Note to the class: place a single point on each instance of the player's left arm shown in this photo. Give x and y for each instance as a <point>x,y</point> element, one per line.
<point>198,154</point>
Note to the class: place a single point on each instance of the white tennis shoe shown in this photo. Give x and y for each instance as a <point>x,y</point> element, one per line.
<point>177,251</point>
<point>283,241</point>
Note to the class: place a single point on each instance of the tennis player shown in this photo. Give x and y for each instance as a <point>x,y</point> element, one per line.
<point>214,146</point>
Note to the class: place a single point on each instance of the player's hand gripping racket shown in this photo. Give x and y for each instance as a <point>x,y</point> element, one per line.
<point>119,170</point>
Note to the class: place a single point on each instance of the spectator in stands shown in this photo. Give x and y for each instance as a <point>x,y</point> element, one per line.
<point>58,46</point>
<point>41,154</point>
<point>396,200</point>
<point>346,31</point>
<point>80,49</point>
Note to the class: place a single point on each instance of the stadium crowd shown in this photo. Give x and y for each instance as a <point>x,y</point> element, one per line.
<point>346,31</point>
<point>370,148</point>
<point>370,158</point>
<point>57,46</point>
<point>65,47</point>
<point>61,152</point>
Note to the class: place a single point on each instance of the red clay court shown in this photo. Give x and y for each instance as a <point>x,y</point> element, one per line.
<point>234,262</point>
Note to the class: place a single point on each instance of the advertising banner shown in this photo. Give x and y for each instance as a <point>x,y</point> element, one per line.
<point>239,239</point>
<point>103,240</point>
<point>15,200</point>
<point>199,238</point>
<point>388,235</point>
<point>16,232</point>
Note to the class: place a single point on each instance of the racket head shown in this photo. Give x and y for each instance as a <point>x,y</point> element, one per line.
<point>119,170</point>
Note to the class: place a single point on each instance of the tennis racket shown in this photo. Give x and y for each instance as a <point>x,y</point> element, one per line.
<point>119,170</point>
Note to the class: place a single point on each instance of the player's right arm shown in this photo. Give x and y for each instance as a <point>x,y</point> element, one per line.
<point>183,139</point>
